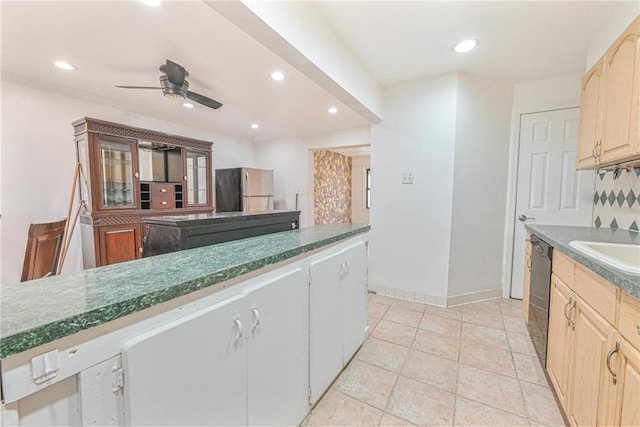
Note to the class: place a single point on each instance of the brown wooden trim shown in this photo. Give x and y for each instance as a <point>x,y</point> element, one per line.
<point>114,129</point>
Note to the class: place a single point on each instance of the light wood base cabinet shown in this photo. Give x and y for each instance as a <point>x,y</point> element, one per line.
<point>589,387</point>
<point>627,404</point>
<point>593,350</point>
<point>559,338</point>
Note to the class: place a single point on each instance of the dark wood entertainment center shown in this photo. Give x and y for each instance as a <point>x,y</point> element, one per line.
<point>132,174</point>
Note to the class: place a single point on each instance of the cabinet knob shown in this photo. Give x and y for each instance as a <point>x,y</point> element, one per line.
<point>184,177</point>
<point>140,250</point>
<point>137,175</point>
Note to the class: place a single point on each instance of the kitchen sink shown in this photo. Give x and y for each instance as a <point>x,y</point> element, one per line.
<point>623,256</point>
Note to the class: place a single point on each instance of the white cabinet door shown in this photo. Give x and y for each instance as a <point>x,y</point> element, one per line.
<point>354,294</point>
<point>277,346</point>
<point>189,372</point>
<point>326,332</point>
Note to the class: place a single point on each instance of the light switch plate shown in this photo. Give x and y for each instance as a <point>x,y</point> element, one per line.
<point>407,178</point>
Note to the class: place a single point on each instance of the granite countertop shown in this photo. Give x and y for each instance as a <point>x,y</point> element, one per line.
<point>560,236</point>
<point>43,310</point>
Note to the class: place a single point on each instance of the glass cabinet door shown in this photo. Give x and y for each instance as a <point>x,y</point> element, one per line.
<point>197,168</point>
<point>117,163</point>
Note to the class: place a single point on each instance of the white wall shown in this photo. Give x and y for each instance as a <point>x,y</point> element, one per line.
<point>411,224</point>
<point>359,211</point>
<point>480,184</point>
<point>292,162</point>
<point>39,156</point>
<point>611,29</point>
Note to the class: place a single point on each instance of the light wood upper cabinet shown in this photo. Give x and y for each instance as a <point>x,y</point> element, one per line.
<point>621,96</point>
<point>610,115</point>
<point>590,116</point>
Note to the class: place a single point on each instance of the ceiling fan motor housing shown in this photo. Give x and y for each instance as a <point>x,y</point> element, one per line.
<point>171,91</point>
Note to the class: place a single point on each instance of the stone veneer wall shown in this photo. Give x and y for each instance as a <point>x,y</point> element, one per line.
<point>616,202</point>
<point>332,187</point>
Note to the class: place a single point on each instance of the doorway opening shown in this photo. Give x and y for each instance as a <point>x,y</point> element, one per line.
<point>341,185</point>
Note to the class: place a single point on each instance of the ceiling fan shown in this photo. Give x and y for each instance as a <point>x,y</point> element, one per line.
<point>174,85</point>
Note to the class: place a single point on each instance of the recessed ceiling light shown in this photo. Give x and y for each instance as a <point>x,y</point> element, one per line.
<point>255,126</point>
<point>65,66</point>
<point>332,110</point>
<point>152,3</point>
<point>277,75</point>
<point>188,105</point>
<point>465,45</point>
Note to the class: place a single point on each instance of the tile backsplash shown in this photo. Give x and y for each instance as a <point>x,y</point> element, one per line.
<point>616,201</point>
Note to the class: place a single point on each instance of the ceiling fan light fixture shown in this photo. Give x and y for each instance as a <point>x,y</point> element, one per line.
<point>465,45</point>
<point>188,105</point>
<point>63,65</point>
<point>277,75</point>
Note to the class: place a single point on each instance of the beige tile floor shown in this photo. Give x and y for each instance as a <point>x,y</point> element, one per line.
<point>431,366</point>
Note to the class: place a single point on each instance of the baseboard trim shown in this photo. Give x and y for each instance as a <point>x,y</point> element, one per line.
<point>440,301</point>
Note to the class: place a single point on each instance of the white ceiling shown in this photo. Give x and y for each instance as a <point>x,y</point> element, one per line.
<point>519,41</point>
<point>124,42</point>
<point>120,42</point>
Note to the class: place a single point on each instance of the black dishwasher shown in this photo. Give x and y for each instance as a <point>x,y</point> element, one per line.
<point>539,290</point>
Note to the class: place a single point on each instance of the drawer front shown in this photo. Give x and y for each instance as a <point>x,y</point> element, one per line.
<point>597,292</point>
<point>163,202</point>
<point>563,267</point>
<point>629,319</point>
<point>162,190</point>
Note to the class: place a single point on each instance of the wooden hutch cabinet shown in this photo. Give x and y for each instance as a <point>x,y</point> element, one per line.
<point>131,174</point>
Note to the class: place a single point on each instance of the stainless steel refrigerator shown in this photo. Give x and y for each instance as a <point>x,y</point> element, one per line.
<point>244,190</point>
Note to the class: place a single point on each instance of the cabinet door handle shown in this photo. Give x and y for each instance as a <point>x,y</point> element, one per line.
<point>571,321</point>
<point>528,263</point>
<point>599,149</point>
<point>343,269</point>
<point>566,316</point>
<point>348,266</point>
<point>163,203</point>
<point>613,351</point>
<point>238,323</point>
<point>256,315</point>
<point>163,190</point>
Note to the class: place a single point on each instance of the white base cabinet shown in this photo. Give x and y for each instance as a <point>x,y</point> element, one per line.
<point>188,372</point>
<point>338,314</point>
<point>259,352</point>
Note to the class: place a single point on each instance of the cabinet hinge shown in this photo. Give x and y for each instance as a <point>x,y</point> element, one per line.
<point>309,280</point>
<point>117,379</point>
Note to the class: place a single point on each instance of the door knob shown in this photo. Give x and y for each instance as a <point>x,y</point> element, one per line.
<point>523,218</point>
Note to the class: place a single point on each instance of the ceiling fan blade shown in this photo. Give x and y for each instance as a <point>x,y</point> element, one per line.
<point>138,87</point>
<point>175,73</point>
<point>200,99</point>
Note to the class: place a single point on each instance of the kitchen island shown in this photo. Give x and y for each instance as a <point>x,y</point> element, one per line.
<point>223,323</point>
<point>167,234</point>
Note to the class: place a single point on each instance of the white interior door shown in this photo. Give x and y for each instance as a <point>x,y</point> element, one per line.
<point>550,190</point>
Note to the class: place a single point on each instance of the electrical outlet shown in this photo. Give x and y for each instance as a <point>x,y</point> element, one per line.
<point>407,178</point>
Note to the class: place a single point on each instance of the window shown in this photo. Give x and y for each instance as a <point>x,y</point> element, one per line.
<point>367,199</point>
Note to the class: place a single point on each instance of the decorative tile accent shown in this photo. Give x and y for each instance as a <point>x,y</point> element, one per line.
<point>616,201</point>
<point>332,187</point>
